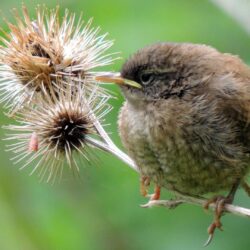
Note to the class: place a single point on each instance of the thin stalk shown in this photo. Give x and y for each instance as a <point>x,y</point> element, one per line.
<point>111,148</point>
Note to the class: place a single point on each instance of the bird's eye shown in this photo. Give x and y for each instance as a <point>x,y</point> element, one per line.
<point>146,78</point>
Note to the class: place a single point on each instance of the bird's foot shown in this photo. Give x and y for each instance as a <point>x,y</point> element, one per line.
<point>144,184</point>
<point>156,195</point>
<point>220,202</point>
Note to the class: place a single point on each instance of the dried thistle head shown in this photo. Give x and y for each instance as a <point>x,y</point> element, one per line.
<point>60,127</point>
<point>40,54</point>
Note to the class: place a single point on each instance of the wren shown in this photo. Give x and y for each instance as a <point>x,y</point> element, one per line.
<point>187,126</point>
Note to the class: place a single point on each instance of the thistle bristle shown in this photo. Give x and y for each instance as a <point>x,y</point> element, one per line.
<point>55,131</point>
<point>38,54</point>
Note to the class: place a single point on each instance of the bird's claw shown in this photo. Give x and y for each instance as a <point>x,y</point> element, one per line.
<point>211,230</point>
<point>220,202</point>
<point>209,240</point>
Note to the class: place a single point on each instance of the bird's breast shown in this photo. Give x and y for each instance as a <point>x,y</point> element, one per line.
<point>176,150</point>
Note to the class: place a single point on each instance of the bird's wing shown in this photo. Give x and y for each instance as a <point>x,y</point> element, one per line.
<point>233,93</point>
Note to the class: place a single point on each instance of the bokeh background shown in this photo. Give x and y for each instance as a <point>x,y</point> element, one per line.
<point>101,211</point>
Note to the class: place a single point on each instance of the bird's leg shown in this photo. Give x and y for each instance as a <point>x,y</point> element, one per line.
<point>144,184</point>
<point>246,187</point>
<point>157,193</point>
<point>220,202</point>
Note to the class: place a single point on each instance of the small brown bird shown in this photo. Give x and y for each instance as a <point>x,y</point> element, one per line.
<point>187,126</point>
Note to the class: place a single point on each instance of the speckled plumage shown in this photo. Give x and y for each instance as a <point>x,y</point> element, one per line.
<point>188,127</point>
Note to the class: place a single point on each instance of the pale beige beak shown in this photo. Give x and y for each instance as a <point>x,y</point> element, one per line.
<point>116,78</point>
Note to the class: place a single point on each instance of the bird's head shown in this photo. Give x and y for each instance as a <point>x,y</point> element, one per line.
<point>165,70</point>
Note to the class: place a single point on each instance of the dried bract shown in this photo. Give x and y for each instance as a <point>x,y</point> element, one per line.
<point>53,133</point>
<point>38,54</point>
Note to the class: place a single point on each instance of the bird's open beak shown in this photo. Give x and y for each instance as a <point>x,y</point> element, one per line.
<point>116,78</point>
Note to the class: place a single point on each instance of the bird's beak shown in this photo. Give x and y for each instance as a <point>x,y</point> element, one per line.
<point>116,78</point>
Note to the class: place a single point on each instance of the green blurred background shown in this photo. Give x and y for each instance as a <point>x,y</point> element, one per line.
<point>102,210</point>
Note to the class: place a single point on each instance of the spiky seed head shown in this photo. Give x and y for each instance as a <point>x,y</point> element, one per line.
<point>55,131</point>
<point>36,53</point>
